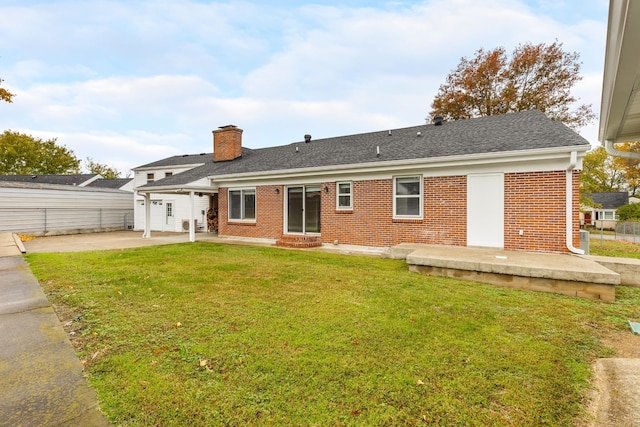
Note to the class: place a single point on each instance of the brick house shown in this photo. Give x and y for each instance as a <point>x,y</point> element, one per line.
<point>508,181</point>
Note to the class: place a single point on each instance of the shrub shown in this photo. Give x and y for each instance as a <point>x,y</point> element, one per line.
<point>630,212</point>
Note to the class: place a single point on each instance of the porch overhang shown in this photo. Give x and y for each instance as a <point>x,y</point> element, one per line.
<point>191,191</point>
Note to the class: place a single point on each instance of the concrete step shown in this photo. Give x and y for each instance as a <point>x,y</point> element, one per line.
<point>559,273</point>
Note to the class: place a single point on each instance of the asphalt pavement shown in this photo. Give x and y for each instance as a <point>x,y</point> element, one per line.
<point>40,375</point>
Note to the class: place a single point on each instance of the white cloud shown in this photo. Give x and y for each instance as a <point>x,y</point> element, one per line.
<point>127,83</point>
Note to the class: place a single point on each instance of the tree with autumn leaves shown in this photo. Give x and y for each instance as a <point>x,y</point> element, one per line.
<point>602,173</point>
<point>5,95</point>
<point>535,76</point>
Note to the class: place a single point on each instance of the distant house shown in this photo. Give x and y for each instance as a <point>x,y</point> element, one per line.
<point>64,204</point>
<point>508,181</point>
<point>604,215</point>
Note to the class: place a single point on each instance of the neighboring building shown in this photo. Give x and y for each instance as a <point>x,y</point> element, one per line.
<point>64,204</point>
<point>603,216</point>
<point>508,181</point>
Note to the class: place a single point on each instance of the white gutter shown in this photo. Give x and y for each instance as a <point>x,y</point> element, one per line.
<point>429,162</point>
<point>573,160</point>
<point>610,148</point>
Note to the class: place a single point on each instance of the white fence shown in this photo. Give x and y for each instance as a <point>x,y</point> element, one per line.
<point>628,230</point>
<point>52,221</point>
<point>44,209</point>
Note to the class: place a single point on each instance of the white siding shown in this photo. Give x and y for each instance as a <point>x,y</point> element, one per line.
<point>159,201</point>
<point>180,211</point>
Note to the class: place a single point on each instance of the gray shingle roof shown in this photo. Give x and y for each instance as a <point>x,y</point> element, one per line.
<point>110,182</point>
<point>611,200</point>
<point>50,179</point>
<point>528,130</point>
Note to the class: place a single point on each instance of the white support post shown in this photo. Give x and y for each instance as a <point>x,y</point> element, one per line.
<point>147,216</point>
<point>192,217</point>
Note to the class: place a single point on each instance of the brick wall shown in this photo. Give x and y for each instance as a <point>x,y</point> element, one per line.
<point>371,222</point>
<point>269,215</point>
<point>535,203</point>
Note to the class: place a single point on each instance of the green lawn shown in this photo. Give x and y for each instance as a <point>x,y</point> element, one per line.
<point>615,248</point>
<point>202,334</point>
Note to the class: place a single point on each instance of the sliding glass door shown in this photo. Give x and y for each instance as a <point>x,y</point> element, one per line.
<point>303,209</point>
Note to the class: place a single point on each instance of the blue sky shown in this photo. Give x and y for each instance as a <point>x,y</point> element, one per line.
<point>128,82</point>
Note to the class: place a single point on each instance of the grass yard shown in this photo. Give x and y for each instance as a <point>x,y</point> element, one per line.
<point>202,334</point>
<point>615,248</point>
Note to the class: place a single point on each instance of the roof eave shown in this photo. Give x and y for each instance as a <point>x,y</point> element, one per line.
<point>620,80</point>
<point>469,159</point>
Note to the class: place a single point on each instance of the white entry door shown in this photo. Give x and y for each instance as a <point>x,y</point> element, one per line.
<point>169,217</point>
<point>485,210</point>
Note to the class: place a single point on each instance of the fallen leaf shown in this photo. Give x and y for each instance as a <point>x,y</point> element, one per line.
<point>178,324</point>
<point>355,412</point>
<point>420,382</point>
<point>153,362</point>
<point>355,342</point>
<point>144,383</point>
<point>203,362</point>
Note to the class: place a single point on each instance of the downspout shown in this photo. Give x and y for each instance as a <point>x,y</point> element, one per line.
<point>573,160</point>
<point>610,148</point>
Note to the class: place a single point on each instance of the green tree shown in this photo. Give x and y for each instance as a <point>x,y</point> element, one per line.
<point>5,95</point>
<point>22,154</point>
<point>534,77</point>
<point>630,212</point>
<point>600,173</point>
<point>103,170</point>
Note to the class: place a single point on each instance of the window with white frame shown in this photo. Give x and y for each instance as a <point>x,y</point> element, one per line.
<point>344,195</point>
<point>242,204</point>
<point>150,177</point>
<point>407,197</point>
<point>609,215</point>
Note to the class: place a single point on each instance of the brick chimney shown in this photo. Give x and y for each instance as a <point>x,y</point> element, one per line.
<point>227,143</point>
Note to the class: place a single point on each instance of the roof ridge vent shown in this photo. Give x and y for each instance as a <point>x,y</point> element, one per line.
<point>437,120</point>
<point>307,138</point>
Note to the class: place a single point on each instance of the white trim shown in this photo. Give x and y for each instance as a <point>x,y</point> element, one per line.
<point>338,195</point>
